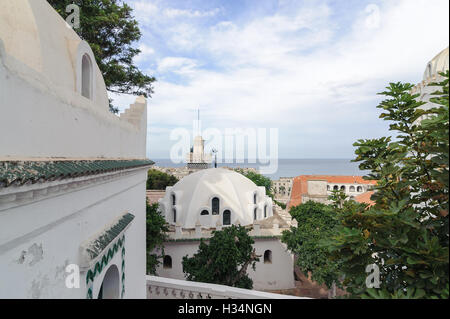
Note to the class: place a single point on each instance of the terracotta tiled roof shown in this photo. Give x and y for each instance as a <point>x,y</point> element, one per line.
<point>300,184</point>
<point>365,198</point>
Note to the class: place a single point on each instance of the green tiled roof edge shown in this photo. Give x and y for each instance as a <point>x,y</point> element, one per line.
<point>30,172</point>
<point>100,243</point>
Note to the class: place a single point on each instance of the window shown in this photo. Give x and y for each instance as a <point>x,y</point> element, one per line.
<point>343,188</point>
<point>174,215</point>
<point>328,187</point>
<point>268,257</point>
<point>265,211</point>
<point>174,200</point>
<point>335,188</point>
<point>227,217</point>
<point>204,212</point>
<point>352,188</point>
<point>255,214</point>
<point>86,76</point>
<point>254,198</point>
<point>215,206</point>
<point>359,189</point>
<point>429,69</point>
<point>167,262</point>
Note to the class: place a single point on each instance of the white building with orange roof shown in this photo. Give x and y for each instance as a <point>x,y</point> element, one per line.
<point>318,187</point>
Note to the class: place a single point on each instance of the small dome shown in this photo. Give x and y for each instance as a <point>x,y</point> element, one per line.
<point>215,195</point>
<point>438,64</point>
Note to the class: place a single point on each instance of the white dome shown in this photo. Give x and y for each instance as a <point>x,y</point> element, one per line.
<point>438,64</point>
<point>194,194</point>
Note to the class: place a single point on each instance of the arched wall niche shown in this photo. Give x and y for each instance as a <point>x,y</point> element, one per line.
<point>85,71</point>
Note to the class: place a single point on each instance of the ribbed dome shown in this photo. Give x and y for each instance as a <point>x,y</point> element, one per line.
<point>438,64</point>
<point>200,191</point>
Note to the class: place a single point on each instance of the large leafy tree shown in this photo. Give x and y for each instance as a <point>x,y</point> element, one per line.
<point>157,229</point>
<point>406,232</point>
<point>111,31</point>
<point>224,260</point>
<point>159,180</point>
<point>316,222</point>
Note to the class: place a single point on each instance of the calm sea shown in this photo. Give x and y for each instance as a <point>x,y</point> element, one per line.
<point>294,167</point>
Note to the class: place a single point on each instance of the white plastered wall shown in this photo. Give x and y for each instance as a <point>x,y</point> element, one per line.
<point>47,234</point>
<point>277,275</point>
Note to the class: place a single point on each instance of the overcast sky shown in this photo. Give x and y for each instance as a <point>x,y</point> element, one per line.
<point>309,68</point>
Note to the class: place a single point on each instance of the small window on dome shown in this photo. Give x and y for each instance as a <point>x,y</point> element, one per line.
<point>254,198</point>
<point>227,217</point>
<point>215,206</point>
<point>174,200</point>
<point>204,212</point>
<point>255,214</point>
<point>174,215</point>
<point>265,211</point>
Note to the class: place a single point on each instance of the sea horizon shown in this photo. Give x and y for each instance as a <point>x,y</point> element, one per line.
<point>290,167</point>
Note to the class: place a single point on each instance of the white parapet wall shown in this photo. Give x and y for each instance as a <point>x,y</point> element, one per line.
<point>168,288</point>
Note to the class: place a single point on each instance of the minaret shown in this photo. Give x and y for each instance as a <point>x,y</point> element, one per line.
<point>197,159</point>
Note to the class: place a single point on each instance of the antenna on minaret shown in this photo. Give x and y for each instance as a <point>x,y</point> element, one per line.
<point>198,120</point>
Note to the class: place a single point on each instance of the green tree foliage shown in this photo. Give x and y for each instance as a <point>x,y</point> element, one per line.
<point>110,29</point>
<point>156,235</point>
<point>282,205</point>
<point>316,222</point>
<point>406,232</point>
<point>159,180</point>
<point>224,260</point>
<point>258,179</point>
<point>261,180</point>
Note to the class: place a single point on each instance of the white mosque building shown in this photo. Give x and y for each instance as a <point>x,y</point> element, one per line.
<point>440,63</point>
<point>72,175</point>
<point>212,199</point>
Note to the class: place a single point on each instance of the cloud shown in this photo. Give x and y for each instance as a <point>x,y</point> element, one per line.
<point>304,68</point>
<point>176,13</point>
<point>146,53</point>
<point>178,65</point>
